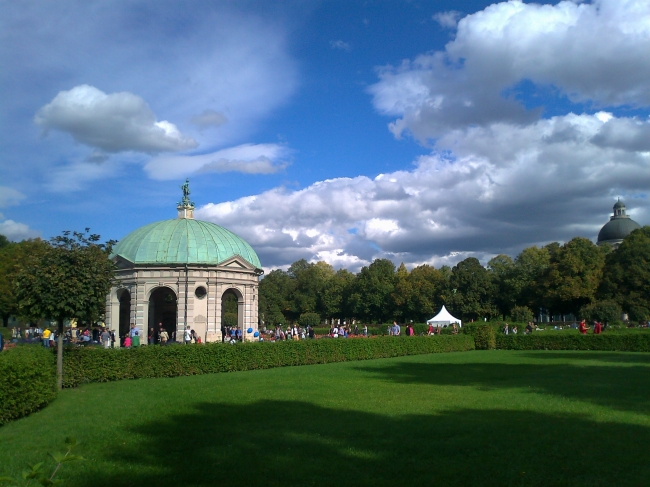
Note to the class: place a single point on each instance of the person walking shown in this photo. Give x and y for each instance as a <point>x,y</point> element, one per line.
<point>135,336</point>
<point>187,335</point>
<point>46,337</point>
<point>164,337</point>
<point>583,327</point>
<point>106,338</point>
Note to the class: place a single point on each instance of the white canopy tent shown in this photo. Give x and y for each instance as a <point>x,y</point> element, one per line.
<point>444,318</point>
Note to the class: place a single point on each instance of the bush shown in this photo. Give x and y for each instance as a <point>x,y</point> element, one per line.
<point>633,342</point>
<point>309,319</point>
<point>82,365</point>
<point>27,381</point>
<point>484,335</point>
<point>521,314</point>
<point>603,311</point>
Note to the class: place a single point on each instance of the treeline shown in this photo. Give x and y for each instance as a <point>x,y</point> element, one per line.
<point>576,278</point>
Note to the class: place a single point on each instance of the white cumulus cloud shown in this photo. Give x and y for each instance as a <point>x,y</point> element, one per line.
<point>498,188</point>
<point>111,122</point>
<point>592,52</point>
<point>245,158</point>
<point>15,231</point>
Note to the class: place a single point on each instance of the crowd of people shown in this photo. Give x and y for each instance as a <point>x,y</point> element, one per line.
<point>75,335</point>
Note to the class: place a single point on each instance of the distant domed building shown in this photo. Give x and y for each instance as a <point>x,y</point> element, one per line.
<point>618,227</point>
<point>178,272</point>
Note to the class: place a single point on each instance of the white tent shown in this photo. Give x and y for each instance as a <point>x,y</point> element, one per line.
<point>443,318</point>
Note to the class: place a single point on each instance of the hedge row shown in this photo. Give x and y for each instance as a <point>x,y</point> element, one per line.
<point>604,342</point>
<point>27,381</point>
<point>83,365</point>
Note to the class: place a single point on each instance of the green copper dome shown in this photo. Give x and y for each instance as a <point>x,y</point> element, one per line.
<point>617,229</point>
<point>183,241</point>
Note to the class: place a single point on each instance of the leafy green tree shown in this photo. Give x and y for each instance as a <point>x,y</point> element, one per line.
<point>275,291</point>
<point>603,311</point>
<point>430,289</point>
<point>13,258</point>
<point>573,276</point>
<point>626,276</point>
<point>403,295</point>
<point>501,270</point>
<point>371,297</point>
<point>530,266</point>
<point>70,280</point>
<point>335,300</point>
<point>472,290</point>
<point>521,314</point>
<point>309,319</point>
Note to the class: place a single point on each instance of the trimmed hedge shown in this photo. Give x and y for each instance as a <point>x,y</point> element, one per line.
<point>83,365</point>
<point>27,381</point>
<point>606,342</point>
<point>484,335</point>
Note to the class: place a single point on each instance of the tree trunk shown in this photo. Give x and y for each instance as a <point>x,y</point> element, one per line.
<point>5,320</point>
<point>59,357</point>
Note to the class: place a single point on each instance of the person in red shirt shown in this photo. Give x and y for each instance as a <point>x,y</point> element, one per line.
<point>583,327</point>
<point>597,328</point>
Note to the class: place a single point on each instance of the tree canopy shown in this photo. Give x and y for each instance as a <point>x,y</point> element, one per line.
<point>575,278</point>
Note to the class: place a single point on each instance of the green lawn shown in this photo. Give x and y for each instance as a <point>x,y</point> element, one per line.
<point>473,418</point>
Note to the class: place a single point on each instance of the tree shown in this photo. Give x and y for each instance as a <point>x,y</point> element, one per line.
<point>573,276</point>
<point>603,311</point>
<point>336,295</point>
<point>472,297</point>
<point>402,295</point>
<point>13,258</point>
<point>501,270</point>
<point>521,314</point>
<point>371,297</point>
<point>530,266</point>
<point>275,291</point>
<point>70,280</point>
<point>626,276</point>
<point>430,289</point>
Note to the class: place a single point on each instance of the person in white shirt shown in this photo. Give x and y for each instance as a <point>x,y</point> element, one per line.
<point>187,335</point>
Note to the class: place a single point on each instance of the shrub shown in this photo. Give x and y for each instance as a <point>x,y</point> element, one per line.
<point>633,342</point>
<point>484,335</point>
<point>521,314</point>
<point>603,311</point>
<point>27,381</point>
<point>309,319</point>
<point>98,365</point>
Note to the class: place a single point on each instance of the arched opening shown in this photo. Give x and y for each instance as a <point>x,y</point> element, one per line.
<point>163,312</point>
<point>232,314</point>
<point>124,297</point>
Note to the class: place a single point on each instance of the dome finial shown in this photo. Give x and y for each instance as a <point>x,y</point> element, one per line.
<point>186,207</point>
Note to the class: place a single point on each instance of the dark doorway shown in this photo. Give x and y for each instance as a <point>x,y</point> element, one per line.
<point>163,309</point>
<point>231,314</point>
<point>125,311</point>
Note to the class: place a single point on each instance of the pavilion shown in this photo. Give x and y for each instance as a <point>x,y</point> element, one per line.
<point>178,272</point>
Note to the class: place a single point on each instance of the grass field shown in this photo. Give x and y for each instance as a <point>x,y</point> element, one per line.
<point>474,418</point>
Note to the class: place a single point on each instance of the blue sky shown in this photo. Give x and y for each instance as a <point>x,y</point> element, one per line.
<point>424,132</point>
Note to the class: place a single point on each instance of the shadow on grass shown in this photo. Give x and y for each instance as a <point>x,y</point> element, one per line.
<point>277,443</point>
<point>619,357</point>
<point>623,388</point>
